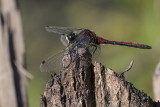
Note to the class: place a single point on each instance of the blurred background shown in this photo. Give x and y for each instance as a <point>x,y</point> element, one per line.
<point>125,20</point>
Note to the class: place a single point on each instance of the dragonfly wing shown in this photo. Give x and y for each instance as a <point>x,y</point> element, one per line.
<point>61,30</point>
<point>53,63</point>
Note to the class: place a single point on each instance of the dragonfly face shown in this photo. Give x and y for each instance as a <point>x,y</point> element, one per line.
<point>68,38</point>
<point>67,34</point>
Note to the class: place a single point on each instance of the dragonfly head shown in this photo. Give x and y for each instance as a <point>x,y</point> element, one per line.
<point>69,38</point>
<point>68,34</point>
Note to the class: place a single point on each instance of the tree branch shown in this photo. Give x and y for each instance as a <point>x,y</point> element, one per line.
<point>156,83</point>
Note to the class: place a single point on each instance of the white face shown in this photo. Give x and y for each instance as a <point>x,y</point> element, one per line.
<point>64,40</point>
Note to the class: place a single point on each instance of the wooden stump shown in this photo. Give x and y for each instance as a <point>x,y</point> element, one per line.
<point>81,84</point>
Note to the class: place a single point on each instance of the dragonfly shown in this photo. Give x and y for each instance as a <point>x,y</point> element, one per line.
<point>77,36</point>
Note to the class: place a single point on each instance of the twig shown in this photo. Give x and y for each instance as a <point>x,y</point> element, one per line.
<point>127,69</point>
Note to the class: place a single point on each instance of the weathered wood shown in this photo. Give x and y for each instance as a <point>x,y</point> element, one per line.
<point>156,83</point>
<point>13,90</point>
<point>80,84</point>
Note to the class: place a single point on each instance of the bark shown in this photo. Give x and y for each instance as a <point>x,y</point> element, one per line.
<point>81,84</point>
<point>156,83</point>
<point>13,90</point>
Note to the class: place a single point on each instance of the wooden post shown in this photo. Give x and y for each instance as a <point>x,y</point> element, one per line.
<point>156,83</point>
<point>13,81</point>
<point>81,84</point>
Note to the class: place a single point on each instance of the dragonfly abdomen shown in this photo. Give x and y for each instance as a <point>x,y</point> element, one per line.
<point>129,44</point>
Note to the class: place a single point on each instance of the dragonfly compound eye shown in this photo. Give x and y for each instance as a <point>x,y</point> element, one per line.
<point>71,36</point>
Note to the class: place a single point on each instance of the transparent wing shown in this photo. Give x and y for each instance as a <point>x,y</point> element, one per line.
<point>53,63</point>
<point>61,30</point>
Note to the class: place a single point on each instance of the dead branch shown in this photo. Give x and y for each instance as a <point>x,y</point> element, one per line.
<point>156,83</point>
